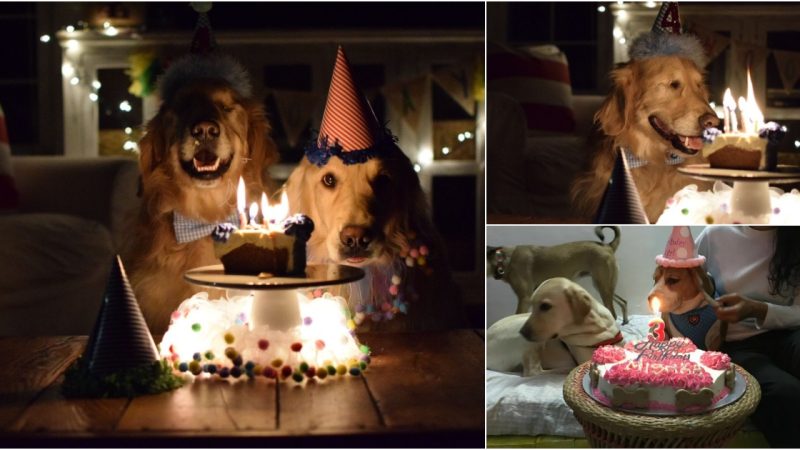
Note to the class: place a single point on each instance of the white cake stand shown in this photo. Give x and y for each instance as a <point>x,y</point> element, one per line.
<point>275,301</point>
<point>750,195</point>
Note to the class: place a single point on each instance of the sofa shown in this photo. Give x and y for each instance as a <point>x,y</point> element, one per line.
<point>57,247</point>
<point>529,176</point>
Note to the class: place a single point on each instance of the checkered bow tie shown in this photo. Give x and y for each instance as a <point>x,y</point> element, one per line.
<point>188,230</point>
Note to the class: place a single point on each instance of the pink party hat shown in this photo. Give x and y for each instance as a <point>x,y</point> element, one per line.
<point>680,252</point>
<point>348,121</point>
<point>668,19</point>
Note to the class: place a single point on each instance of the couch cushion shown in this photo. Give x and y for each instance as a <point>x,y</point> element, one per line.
<point>538,77</point>
<point>9,196</point>
<point>53,271</point>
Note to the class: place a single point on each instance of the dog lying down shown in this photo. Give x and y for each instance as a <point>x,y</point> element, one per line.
<point>562,331</point>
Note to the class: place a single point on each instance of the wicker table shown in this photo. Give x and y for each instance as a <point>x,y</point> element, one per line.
<point>605,427</point>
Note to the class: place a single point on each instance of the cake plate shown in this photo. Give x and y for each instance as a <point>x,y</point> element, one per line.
<point>275,301</point>
<point>750,195</point>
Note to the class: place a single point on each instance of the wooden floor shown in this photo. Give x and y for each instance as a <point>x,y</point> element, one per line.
<point>421,389</point>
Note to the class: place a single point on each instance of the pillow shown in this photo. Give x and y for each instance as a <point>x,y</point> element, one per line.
<point>9,197</point>
<point>538,78</point>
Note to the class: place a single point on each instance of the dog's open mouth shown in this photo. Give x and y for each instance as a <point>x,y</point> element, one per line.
<point>687,144</point>
<point>206,165</point>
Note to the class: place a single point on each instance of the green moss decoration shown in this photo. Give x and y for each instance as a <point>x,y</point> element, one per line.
<point>143,380</point>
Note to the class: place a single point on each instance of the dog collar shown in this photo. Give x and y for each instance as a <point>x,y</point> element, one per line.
<point>188,229</point>
<point>613,341</point>
<point>499,264</point>
<point>670,159</point>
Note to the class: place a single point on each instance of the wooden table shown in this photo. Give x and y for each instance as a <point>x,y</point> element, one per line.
<point>421,389</point>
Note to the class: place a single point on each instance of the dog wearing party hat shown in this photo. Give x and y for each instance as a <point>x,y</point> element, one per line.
<point>656,113</point>
<point>208,132</point>
<point>369,211</point>
<point>682,293</point>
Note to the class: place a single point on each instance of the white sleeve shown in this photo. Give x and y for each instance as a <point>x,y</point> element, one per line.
<point>779,316</point>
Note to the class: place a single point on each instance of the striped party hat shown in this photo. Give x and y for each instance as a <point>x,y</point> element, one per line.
<point>349,127</point>
<point>621,203</point>
<point>121,339</point>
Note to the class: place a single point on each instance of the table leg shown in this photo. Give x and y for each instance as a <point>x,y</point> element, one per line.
<point>750,200</point>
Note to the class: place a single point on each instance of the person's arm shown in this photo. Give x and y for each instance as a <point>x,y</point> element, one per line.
<point>735,307</point>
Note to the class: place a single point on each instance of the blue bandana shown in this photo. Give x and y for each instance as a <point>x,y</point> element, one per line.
<point>695,324</point>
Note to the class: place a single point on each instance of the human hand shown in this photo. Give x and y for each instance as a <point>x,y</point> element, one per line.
<point>735,307</point>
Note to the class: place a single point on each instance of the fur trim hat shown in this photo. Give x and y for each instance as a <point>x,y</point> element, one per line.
<point>209,66</point>
<point>666,39</point>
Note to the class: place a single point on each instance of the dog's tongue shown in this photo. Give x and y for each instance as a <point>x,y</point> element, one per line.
<point>205,158</point>
<point>692,142</point>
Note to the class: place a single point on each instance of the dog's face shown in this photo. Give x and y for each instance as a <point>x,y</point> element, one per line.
<point>363,213</point>
<point>660,100</point>
<point>205,136</point>
<point>677,289</point>
<point>557,303</point>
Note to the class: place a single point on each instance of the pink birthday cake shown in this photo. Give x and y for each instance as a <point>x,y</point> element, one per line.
<point>671,375</point>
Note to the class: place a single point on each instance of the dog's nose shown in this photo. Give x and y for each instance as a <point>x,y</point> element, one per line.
<point>353,236</point>
<point>709,120</point>
<point>205,130</point>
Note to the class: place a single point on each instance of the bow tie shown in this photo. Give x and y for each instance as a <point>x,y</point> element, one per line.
<point>188,230</point>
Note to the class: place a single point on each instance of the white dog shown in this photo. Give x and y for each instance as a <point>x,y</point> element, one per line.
<point>565,320</point>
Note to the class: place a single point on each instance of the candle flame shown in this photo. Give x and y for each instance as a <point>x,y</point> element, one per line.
<point>755,117</point>
<point>274,214</point>
<point>265,208</point>
<point>656,304</point>
<point>241,200</point>
<point>728,101</point>
<point>253,212</point>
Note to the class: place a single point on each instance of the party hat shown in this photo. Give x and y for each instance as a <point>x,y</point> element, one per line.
<point>668,19</point>
<point>120,339</point>
<point>621,202</point>
<point>203,41</point>
<point>666,38</point>
<point>349,127</point>
<point>679,251</point>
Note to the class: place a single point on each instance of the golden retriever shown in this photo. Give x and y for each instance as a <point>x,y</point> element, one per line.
<point>364,215</point>
<point>203,138</point>
<point>658,107</point>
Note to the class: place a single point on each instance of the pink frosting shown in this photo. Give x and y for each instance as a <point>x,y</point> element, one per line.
<point>608,354</point>
<point>675,373</point>
<point>658,406</point>
<point>715,360</point>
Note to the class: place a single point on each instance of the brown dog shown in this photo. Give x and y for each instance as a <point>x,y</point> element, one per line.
<point>657,109</point>
<point>680,291</point>
<point>364,215</point>
<point>204,137</point>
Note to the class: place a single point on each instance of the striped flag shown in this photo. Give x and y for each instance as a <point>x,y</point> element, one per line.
<point>9,197</point>
<point>348,119</point>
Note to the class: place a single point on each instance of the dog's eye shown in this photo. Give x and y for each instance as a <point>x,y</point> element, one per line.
<point>675,84</point>
<point>227,108</point>
<point>329,180</point>
<point>671,281</point>
<point>545,307</point>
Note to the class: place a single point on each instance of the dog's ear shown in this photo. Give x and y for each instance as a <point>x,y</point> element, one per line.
<point>617,110</point>
<point>579,301</point>
<point>154,145</point>
<point>703,280</point>
<point>261,149</point>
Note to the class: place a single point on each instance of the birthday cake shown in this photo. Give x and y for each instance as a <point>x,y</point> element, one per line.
<point>741,151</point>
<point>671,375</point>
<point>256,250</point>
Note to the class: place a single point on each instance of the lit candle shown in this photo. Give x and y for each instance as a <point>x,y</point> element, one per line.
<point>265,209</point>
<point>729,109</point>
<point>253,213</point>
<point>656,326</point>
<point>745,115</point>
<point>753,111</point>
<point>241,201</point>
